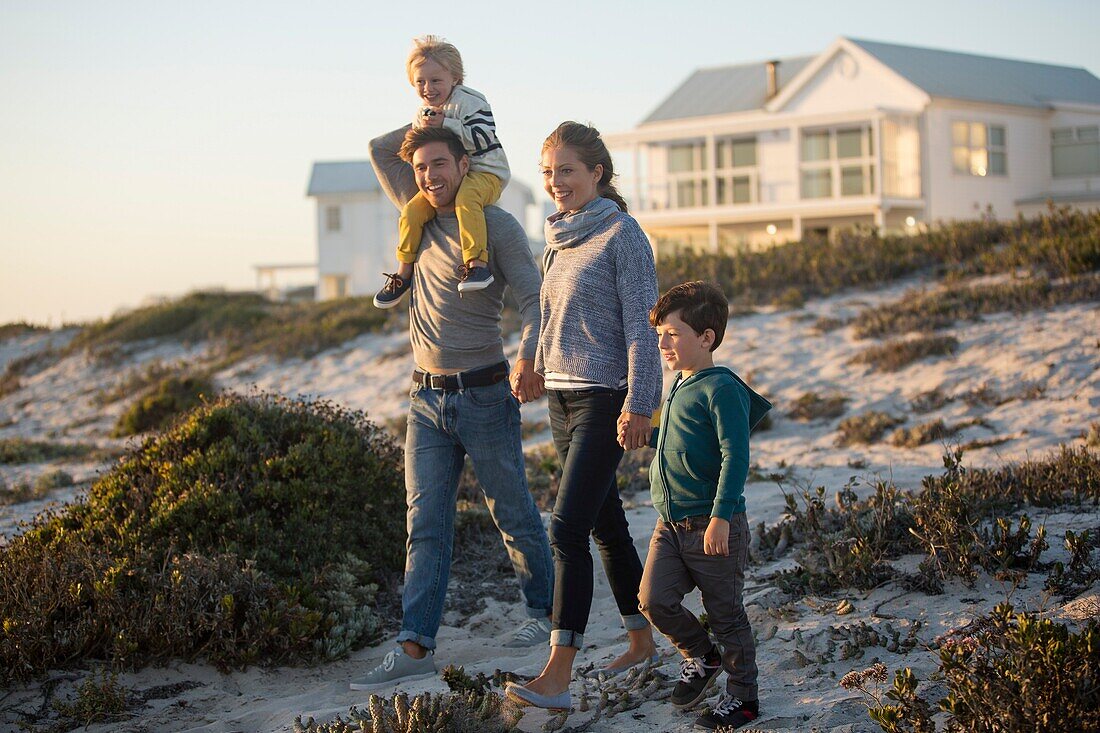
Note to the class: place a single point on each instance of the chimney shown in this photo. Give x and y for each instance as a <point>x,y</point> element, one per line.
<point>773,79</point>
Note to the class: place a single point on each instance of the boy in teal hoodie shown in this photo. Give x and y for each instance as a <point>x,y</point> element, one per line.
<point>697,481</point>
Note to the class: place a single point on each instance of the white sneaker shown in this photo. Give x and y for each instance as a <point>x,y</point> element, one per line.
<point>532,632</point>
<point>396,666</point>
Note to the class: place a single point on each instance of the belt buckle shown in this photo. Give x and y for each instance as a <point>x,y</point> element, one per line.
<point>440,384</point>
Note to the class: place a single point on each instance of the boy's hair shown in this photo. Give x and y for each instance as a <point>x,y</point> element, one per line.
<point>701,304</point>
<point>418,137</point>
<point>435,49</point>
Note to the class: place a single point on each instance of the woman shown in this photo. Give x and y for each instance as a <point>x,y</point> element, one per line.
<point>603,379</point>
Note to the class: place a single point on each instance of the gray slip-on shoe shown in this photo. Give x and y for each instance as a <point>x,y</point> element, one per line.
<point>396,666</point>
<point>522,696</point>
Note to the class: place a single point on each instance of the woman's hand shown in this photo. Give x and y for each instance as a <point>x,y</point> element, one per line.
<point>716,540</point>
<point>634,430</point>
<point>527,384</point>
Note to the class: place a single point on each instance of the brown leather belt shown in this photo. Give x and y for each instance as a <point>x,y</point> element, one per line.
<point>480,377</point>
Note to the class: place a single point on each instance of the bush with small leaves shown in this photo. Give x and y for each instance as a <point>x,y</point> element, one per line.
<point>168,400</point>
<point>256,530</point>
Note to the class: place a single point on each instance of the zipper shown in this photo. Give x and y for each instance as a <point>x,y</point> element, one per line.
<point>661,441</point>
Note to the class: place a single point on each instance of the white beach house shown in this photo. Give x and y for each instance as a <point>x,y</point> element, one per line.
<point>357,226</point>
<point>863,133</point>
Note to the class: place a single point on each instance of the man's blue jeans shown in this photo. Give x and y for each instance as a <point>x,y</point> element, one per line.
<point>443,428</point>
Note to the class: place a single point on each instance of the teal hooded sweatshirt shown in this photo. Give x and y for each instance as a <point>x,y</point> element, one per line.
<point>702,445</point>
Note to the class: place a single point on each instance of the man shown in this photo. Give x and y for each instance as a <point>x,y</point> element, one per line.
<point>461,401</point>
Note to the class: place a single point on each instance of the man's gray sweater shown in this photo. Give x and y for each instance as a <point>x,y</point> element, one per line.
<point>449,332</point>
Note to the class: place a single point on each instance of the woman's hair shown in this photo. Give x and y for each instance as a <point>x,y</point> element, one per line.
<point>589,146</point>
<point>434,48</point>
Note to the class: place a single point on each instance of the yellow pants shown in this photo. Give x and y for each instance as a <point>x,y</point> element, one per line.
<point>477,191</point>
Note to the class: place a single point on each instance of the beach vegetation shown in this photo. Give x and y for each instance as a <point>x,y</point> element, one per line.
<point>16,329</point>
<point>22,450</point>
<point>895,354</point>
<point>813,406</point>
<point>865,428</point>
<point>1059,243</point>
<point>257,529</point>
<point>170,398</point>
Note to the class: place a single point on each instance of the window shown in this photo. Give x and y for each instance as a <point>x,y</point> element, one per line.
<point>332,218</point>
<point>735,164</point>
<point>978,149</point>
<point>1075,151</point>
<point>837,162</point>
<point>687,166</point>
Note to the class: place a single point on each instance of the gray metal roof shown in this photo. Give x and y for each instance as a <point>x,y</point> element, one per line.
<point>355,176</point>
<point>742,87</point>
<point>985,78</point>
<point>724,89</point>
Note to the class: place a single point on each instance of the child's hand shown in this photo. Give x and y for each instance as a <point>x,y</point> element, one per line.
<point>716,540</point>
<point>431,116</point>
<point>632,430</point>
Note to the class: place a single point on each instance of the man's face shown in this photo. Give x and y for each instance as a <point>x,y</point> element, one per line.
<point>438,174</point>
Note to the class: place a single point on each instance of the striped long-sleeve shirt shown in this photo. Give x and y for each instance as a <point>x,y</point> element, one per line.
<point>468,115</point>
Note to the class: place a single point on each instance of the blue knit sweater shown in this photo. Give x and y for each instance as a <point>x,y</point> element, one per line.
<point>599,285</point>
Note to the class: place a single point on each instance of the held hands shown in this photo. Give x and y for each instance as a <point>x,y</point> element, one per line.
<point>431,116</point>
<point>634,430</point>
<point>527,384</point>
<point>716,540</point>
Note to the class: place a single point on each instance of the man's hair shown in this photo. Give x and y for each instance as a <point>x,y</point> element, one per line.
<point>434,48</point>
<point>701,304</point>
<point>418,137</point>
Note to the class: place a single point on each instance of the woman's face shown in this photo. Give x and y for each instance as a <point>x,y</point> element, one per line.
<point>569,182</point>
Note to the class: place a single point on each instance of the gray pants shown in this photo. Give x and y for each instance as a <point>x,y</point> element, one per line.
<point>676,565</point>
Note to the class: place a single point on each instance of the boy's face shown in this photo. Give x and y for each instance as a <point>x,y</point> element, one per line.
<point>681,347</point>
<point>433,82</point>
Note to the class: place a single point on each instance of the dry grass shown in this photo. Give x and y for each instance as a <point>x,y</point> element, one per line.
<point>898,353</point>
<point>865,428</point>
<point>812,406</point>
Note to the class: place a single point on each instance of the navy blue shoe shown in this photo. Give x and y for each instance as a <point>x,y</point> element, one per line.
<point>474,278</point>
<point>392,291</point>
<point>729,713</point>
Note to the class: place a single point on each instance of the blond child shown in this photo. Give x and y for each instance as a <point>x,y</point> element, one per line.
<point>435,70</point>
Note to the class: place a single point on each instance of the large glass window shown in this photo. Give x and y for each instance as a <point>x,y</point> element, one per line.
<point>978,149</point>
<point>837,162</point>
<point>735,170</point>
<point>687,174</point>
<point>1075,151</point>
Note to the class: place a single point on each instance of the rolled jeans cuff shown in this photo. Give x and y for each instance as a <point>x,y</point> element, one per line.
<point>427,642</point>
<point>635,622</point>
<point>564,637</point>
<point>539,613</point>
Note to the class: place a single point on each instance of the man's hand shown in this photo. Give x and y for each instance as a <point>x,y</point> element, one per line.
<point>431,116</point>
<point>716,540</point>
<point>527,384</point>
<point>634,430</point>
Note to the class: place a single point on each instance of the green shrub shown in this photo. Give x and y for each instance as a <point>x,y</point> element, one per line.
<point>812,406</point>
<point>865,428</point>
<point>1018,674</point>
<point>893,355</point>
<point>99,699</point>
<point>171,398</point>
<point>1061,243</point>
<point>50,480</point>
<point>254,531</point>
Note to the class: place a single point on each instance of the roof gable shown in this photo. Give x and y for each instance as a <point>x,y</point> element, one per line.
<point>986,78</point>
<point>356,176</point>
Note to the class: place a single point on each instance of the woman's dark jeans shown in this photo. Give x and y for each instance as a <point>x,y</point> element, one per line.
<point>588,503</point>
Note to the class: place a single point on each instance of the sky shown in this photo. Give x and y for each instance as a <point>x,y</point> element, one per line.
<point>150,148</point>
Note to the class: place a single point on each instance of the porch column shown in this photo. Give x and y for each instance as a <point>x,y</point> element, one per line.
<point>712,235</point>
<point>796,227</point>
